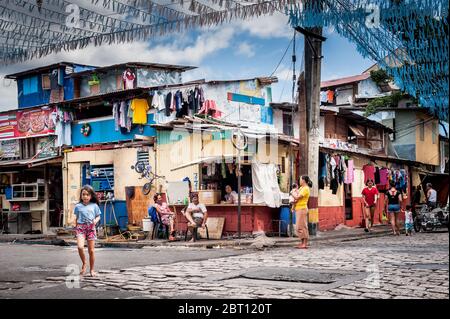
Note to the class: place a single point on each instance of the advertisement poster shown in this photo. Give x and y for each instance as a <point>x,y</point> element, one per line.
<point>8,125</point>
<point>34,122</point>
<point>29,123</point>
<point>46,147</point>
<point>9,149</point>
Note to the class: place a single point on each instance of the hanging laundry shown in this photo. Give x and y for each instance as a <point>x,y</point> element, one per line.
<point>178,100</point>
<point>210,108</point>
<point>323,97</point>
<point>223,169</point>
<point>334,186</point>
<point>140,108</point>
<point>369,172</point>
<point>350,174</point>
<point>129,116</point>
<point>168,103</point>
<point>116,106</point>
<point>330,96</point>
<point>128,79</point>
<point>333,167</point>
<point>384,179</point>
<point>54,85</point>
<point>123,114</point>
<point>377,176</point>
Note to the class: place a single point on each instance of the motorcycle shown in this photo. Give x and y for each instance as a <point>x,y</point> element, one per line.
<point>428,219</point>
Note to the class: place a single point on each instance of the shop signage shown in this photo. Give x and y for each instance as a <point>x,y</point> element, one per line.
<point>46,147</point>
<point>9,149</point>
<point>29,123</point>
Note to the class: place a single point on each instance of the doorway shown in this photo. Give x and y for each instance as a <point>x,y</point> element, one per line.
<point>55,196</point>
<point>348,201</point>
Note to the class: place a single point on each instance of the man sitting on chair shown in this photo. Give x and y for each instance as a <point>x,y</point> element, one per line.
<point>196,214</point>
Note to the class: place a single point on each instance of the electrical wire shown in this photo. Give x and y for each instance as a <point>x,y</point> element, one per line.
<point>282,58</point>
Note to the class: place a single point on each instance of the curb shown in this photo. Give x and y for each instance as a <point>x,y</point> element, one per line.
<point>53,240</point>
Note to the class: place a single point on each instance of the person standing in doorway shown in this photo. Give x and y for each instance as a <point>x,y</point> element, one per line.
<point>393,206</point>
<point>87,213</point>
<point>301,210</point>
<point>370,197</point>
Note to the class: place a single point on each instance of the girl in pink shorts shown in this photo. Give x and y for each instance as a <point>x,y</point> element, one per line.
<point>88,215</point>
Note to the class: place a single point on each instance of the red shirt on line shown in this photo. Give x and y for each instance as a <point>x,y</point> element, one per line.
<point>370,194</point>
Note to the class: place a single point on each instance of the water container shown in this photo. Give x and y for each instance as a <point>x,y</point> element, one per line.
<point>285,215</point>
<point>147,225</point>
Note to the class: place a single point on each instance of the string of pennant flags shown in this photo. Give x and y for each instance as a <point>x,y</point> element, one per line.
<point>408,38</point>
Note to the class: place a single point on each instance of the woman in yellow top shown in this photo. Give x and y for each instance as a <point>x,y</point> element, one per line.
<point>301,196</point>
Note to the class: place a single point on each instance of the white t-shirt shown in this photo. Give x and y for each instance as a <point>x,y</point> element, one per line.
<point>199,210</point>
<point>409,217</point>
<point>433,196</point>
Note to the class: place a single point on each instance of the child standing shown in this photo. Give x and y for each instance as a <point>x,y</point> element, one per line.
<point>409,222</point>
<point>88,215</point>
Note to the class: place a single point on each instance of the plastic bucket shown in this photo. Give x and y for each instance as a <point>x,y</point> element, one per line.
<point>146,224</point>
<point>285,216</point>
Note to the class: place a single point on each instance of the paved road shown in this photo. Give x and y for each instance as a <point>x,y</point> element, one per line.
<point>382,267</point>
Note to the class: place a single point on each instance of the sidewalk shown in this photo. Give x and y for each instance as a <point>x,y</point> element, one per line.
<point>343,234</point>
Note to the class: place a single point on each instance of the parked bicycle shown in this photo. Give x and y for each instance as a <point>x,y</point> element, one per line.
<point>145,170</point>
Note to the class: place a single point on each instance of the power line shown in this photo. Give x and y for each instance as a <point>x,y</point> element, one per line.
<point>282,58</point>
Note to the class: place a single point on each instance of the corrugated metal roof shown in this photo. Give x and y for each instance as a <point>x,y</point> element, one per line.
<point>346,80</point>
<point>44,68</point>
<point>181,68</point>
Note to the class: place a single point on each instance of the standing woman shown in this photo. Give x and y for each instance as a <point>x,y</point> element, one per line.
<point>301,210</point>
<point>393,206</point>
<point>370,196</point>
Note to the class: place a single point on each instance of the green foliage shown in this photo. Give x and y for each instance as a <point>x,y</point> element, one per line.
<point>380,76</point>
<point>385,101</point>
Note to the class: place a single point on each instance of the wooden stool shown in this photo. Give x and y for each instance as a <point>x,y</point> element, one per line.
<point>195,233</point>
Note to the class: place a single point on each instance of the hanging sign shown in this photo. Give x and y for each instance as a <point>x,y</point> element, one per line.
<point>36,122</point>
<point>9,149</point>
<point>45,147</point>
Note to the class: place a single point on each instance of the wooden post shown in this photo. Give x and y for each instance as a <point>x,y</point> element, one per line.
<point>313,127</point>
<point>309,111</point>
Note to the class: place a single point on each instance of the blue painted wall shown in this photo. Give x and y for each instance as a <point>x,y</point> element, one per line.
<point>103,132</point>
<point>43,96</point>
<point>31,99</point>
<point>120,210</point>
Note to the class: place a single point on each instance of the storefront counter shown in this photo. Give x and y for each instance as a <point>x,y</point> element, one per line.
<point>254,217</point>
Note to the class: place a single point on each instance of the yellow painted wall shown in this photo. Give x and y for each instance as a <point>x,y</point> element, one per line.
<point>122,159</point>
<point>426,151</point>
<point>328,199</point>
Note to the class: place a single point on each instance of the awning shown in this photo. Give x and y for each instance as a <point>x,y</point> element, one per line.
<point>208,160</point>
<point>32,162</point>
<point>356,130</point>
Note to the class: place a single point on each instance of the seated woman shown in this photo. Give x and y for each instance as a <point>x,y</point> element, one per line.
<point>166,215</point>
<point>196,214</point>
<point>231,197</point>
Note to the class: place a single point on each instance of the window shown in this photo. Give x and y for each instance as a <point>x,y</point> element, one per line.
<point>287,124</point>
<point>434,132</point>
<point>283,165</point>
<point>422,130</point>
<point>30,85</point>
<point>46,82</point>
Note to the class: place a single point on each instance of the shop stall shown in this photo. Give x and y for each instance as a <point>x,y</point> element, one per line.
<point>260,193</point>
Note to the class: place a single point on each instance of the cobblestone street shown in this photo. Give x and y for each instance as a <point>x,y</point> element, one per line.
<point>383,267</point>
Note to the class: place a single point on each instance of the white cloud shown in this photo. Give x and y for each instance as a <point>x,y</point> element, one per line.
<point>266,27</point>
<point>178,51</point>
<point>245,49</point>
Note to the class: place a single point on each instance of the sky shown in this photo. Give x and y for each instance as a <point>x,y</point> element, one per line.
<point>237,50</point>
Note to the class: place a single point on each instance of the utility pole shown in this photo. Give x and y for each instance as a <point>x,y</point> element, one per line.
<point>309,111</point>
